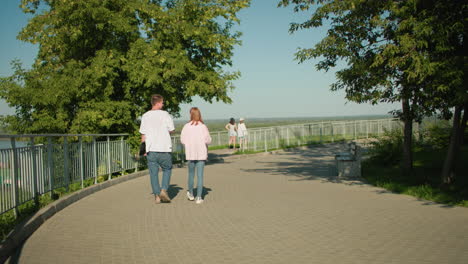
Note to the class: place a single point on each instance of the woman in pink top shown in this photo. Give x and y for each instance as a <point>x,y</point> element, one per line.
<point>195,137</point>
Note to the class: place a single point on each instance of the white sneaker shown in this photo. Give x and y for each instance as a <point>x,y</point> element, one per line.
<point>190,196</point>
<point>198,200</point>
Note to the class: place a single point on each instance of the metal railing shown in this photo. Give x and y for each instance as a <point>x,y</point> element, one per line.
<point>269,138</point>
<point>28,171</point>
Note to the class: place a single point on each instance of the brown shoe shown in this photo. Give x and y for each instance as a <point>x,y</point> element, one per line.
<point>157,199</point>
<point>164,197</point>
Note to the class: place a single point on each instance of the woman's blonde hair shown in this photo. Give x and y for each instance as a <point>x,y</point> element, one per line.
<point>195,116</point>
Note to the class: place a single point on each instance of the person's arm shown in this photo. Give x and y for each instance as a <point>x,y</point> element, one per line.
<point>207,136</point>
<point>227,127</point>
<point>143,132</point>
<point>183,135</point>
<point>170,124</point>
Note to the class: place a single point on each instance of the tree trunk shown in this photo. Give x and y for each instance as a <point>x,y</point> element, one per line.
<point>407,162</point>
<point>448,175</point>
<point>463,125</point>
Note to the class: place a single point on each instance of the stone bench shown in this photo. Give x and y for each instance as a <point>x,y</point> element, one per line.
<point>348,164</point>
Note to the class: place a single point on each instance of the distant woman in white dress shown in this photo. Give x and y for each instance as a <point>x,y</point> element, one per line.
<point>232,131</point>
<point>242,133</point>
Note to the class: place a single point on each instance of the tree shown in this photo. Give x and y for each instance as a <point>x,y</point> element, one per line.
<point>390,53</point>
<point>447,46</point>
<point>99,61</point>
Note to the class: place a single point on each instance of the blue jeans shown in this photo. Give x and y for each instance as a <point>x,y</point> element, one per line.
<point>156,160</point>
<point>200,165</point>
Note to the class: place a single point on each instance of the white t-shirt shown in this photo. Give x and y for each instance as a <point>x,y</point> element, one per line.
<point>155,125</point>
<point>242,130</point>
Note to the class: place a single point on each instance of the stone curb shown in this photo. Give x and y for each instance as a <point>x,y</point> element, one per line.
<point>25,229</point>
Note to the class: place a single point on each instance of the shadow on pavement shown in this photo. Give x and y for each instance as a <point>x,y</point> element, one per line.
<point>315,162</point>
<point>173,190</point>
<point>205,191</point>
<point>216,157</point>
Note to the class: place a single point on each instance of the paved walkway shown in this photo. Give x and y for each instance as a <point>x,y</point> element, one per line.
<point>278,208</point>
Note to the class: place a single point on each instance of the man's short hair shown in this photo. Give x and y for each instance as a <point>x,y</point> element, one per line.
<point>156,98</point>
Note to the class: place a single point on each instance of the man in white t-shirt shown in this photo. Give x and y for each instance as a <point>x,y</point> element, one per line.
<point>156,127</point>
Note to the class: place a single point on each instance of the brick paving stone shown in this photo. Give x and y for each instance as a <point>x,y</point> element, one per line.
<point>278,208</point>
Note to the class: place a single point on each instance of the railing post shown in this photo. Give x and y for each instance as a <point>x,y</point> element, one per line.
<point>219,138</point>
<point>298,140</point>
<point>174,147</point>
<point>137,160</point>
<point>378,129</point>
<point>321,133</point>
<point>303,134</point>
<point>344,130</point>
<point>355,135</point>
<point>80,142</point>
<point>255,141</point>
<point>50,163</point>
<point>122,157</point>
<point>108,158</point>
<point>65,163</point>
<point>277,139</point>
<point>332,136</point>
<point>14,179</point>
<point>34,172</point>
<point>287,135</point>
<point>265,140</point>
<point>96,173</point>
<point>367,128</point>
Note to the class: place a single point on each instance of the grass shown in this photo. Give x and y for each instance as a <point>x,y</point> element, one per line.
<point>8,220</point>
<point>425,180</point>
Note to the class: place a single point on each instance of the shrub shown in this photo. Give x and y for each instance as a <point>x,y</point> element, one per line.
<point>437,134</point>
<point>387,150</point>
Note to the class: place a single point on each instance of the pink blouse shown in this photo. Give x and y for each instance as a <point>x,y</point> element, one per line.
<point>195,138</point>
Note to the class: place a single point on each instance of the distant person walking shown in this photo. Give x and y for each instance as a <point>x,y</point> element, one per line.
<point>232,131</point>
<point>195,137</point>
<point>156,126</point>
<point>242,134</point>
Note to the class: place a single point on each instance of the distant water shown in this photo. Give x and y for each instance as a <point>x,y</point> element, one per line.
<point>4,144</point>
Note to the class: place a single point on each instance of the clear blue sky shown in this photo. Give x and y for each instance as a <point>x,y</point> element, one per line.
<point>272,84</point>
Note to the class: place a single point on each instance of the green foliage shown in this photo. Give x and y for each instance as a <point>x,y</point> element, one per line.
<point>424,182</point>
<point>387,150</point>
<point>437,134</point>
<point>8,220</point>
<point>391,49</point>
<point>411,52</point>
<point>100,61</point>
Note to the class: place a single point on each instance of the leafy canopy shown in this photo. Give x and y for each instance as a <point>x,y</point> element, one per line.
<point>391,49</point>
<point>99,61</point>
